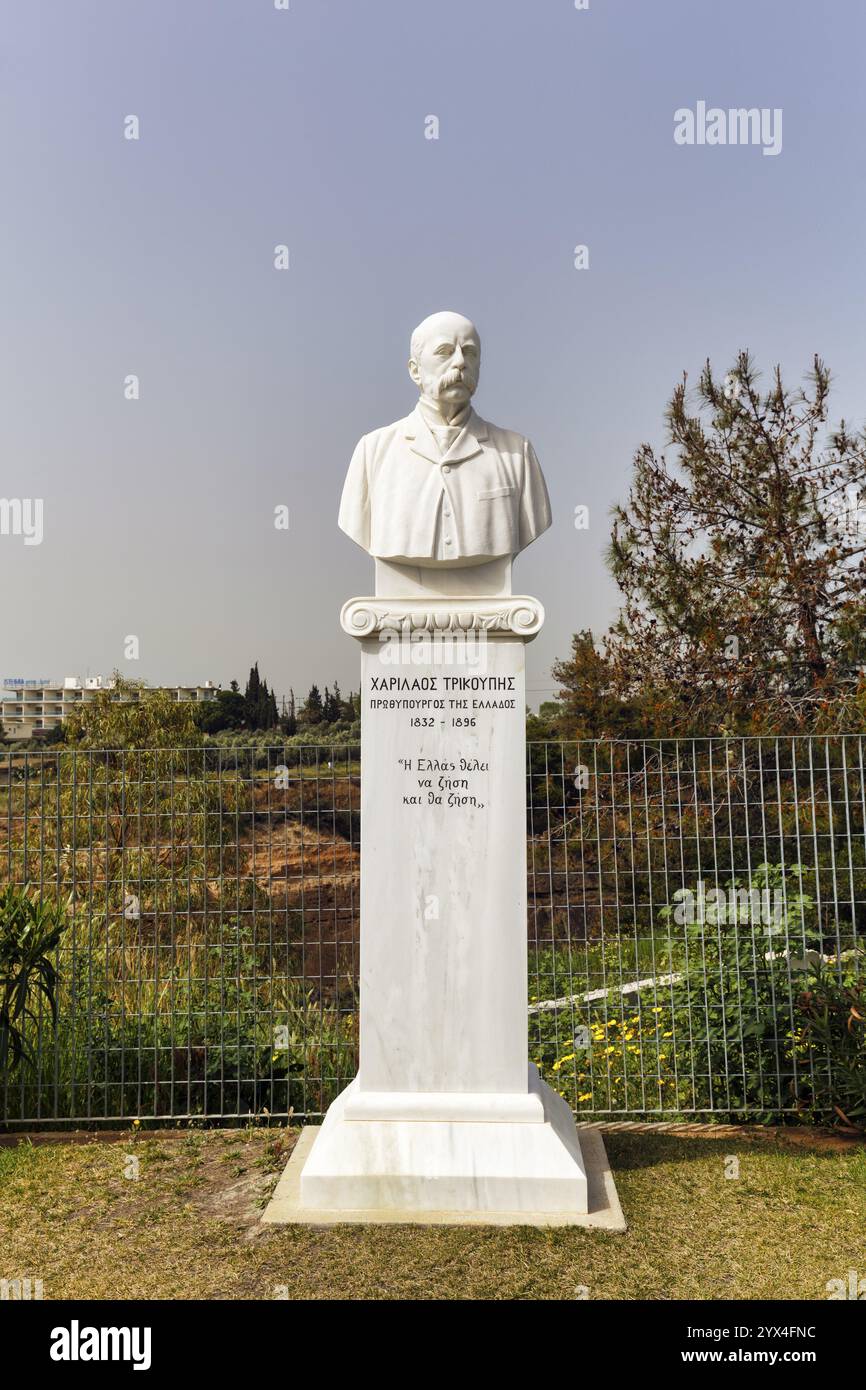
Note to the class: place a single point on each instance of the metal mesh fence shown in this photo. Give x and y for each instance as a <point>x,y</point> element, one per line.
<point>691,903</point>
<point>695,910</point>
<point>209,964</point>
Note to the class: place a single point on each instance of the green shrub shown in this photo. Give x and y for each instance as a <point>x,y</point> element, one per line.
<point>30,931</point>
<point>831,1013</point>
<point>740,1016</point>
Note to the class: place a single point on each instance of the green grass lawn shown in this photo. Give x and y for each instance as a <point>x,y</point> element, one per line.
<point>188,1225</point>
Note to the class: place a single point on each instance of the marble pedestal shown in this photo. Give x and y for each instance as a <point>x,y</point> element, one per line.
<point>446,1113</point>
<point>472,1155</point>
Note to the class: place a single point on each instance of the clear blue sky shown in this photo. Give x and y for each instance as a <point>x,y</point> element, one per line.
<point>306,127</point>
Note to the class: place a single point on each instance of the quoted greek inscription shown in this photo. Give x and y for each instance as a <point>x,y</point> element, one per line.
<point>445,782</point>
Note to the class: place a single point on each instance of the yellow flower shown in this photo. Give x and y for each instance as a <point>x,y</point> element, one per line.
<point>585,1095</point>
<point>667,1035</point>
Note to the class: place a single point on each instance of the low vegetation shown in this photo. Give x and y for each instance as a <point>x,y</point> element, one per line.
<point>177,1216</point>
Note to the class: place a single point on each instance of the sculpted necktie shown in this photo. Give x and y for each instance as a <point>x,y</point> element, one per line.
<point>445,436</point>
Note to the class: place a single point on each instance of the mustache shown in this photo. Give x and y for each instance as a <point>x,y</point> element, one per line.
<point>453,377</point>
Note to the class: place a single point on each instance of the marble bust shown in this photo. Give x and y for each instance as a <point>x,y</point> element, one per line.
<point>443,489</point>
<point>447,1119</point>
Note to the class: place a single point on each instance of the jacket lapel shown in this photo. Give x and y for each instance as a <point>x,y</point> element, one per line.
<point>468,442</point>
<point>465,446</point>
<point>421,441</point>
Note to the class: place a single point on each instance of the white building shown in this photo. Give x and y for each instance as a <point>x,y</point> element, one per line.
<point>32,707</point>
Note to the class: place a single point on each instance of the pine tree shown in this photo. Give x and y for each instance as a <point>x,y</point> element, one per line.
<point>331,705</point>
<point>263,706</point>
<point>351,707</point>
<point>313,708</point>
<point>742,563</point>
<point>289,722</point>
<point>251,696</point>
<point>590,703</point>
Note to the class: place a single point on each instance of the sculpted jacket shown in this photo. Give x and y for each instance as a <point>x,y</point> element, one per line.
<point>404,499</point>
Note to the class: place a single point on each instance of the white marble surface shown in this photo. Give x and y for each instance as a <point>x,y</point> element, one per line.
<point>443,978</point>
<point>433,615</point>
<point>516,1107</point>
<point>492,577</point>
<point>446,1114</point>
<point>443,487</point>
<point>457,1165</point>
<point>604,1211</point>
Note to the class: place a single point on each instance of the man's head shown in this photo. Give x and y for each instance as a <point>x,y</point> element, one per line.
<point>446,358</point>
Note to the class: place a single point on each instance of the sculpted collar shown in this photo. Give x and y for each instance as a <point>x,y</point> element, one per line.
<point>466,445</point>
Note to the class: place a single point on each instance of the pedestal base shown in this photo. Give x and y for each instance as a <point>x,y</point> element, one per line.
<point>488,1107</point>
<point>450,1172</point>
